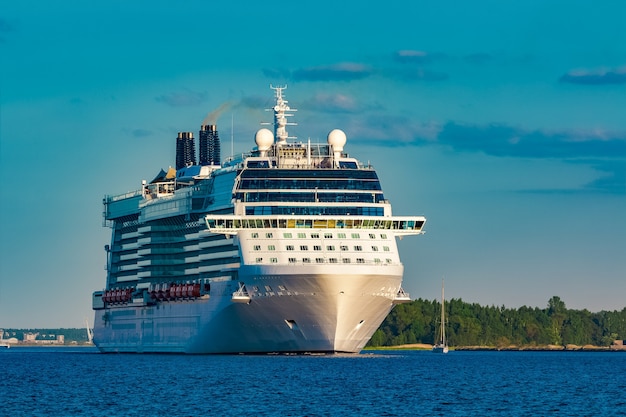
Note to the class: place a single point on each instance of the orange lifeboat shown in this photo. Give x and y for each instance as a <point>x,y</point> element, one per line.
<point>195,291</point>
<point>172,291</point>
<point>184,291</point>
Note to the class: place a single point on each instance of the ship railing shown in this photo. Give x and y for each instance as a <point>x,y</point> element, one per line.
<point>232,224</point>
<point>124,196</point>
<point>328,261</point>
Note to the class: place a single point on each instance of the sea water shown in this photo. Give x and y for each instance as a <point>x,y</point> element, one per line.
<point>80,381</point>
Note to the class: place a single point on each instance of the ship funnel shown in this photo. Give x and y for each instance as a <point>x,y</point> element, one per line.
<point>185,150</point>
<point>209,146</point>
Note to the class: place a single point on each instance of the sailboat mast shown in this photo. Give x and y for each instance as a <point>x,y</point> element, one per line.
<point>443,327</point>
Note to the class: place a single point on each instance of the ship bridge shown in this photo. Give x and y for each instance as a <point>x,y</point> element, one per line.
<point>232,224</point>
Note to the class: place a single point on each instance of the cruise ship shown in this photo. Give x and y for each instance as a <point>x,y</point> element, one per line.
<point>290,248</point>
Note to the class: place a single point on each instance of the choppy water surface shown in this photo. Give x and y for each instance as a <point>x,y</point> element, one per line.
<point>80,381</point>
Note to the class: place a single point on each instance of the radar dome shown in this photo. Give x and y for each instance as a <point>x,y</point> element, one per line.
<point>336,139</point>
<point>264,139</point>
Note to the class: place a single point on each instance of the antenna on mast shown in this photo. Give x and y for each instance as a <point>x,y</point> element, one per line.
<point>280,116</point>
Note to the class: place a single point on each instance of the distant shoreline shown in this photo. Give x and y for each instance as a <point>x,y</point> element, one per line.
<point>530,348</point>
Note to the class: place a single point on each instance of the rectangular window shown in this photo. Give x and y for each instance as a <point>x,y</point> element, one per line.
<point>271,247</point>
<point>341,235</point>
<point>388,260</point>
<point>386,248</point>
<point>333,260</point>
<point>317,247</point>
<point>358,248</point>
<point>360,260</point>
<point>274,260</point>
<point>259,260</point>
<point>356,236</point>
<point>346,260</point>
<point>306,260</point>
<point>372,236</point>
<point>330,247</point>
<point>290,247</point>
<point>269,235</point>
<point>304,247</point>
<point>254,235</point>
<point>376,260</point>
<point>292,260</point>
<point>287,235</point>
<point>328,235</point>
<point>257,247</point>
<point>375,248</point>
<point>301,235</point>
<point>383,236</point>
<point>343,247</point>
<point>319,260</point>
<point>315,235</point>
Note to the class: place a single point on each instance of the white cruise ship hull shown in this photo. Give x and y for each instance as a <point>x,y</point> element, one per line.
<point>320,310</point>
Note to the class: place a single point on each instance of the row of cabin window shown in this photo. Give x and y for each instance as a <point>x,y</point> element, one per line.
<point>357,248</point>
<point>288,235</point>
<point>322,260</point>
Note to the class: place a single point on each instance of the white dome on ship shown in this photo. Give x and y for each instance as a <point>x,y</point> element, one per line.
<point>336,139</point>
<point>264,139</point>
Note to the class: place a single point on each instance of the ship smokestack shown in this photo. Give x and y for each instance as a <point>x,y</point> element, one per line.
<point>185,150</point>
<point>209,145</point>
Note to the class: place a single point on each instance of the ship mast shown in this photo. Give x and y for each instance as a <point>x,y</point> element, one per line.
<point>281,109</point>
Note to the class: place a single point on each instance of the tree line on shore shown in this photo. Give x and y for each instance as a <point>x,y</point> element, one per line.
<point>475,325</point>
<point>71,335</point>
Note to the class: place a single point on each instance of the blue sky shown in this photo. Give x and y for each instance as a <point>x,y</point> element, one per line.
<point>503,123</point>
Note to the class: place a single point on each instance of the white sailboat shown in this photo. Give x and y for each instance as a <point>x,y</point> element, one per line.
<point>442,345</point>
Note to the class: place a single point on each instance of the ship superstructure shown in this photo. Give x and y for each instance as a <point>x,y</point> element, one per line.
<point>289,248</point>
